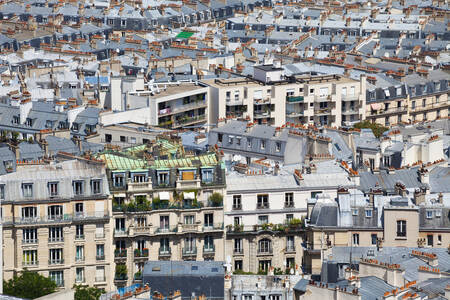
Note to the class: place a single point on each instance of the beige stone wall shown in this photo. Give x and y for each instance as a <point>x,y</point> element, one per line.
<point>391,216</point>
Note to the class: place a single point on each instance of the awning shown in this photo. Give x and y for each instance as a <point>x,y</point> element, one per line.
<point>164,196</point>
<point>189,196</point>
<point>375,106</point>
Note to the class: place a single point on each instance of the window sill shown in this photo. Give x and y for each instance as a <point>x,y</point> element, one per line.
<point>403,238</point>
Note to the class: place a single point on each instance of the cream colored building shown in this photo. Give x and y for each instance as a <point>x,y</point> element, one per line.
<point>56,221</point>
<point>165,210</point>
<point>272,98</point>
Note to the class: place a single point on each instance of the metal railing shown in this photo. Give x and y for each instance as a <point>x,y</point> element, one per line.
<point>165,251</point>
<point>189,251</point>
<point>59,261</point>
<point>30,241</point>
<point>209,248</point>
<point>120,253</point>
<point>56,239</point>
<point>79,259</point>
<point>34,263</point>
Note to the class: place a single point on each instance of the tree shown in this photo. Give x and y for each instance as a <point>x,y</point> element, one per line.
<point>87,292</point>
<point>29,285</point>
<point>377,129</point>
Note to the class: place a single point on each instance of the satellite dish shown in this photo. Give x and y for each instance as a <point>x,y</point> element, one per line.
<point>228,259</point>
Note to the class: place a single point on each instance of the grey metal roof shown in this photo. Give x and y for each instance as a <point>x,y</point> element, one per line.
<point>29,151</point>
<point>409,177</point>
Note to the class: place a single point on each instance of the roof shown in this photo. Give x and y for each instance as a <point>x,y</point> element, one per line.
<point>184,35</point>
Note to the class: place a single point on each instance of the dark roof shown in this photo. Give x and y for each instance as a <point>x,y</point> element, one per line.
<point>268,68</point>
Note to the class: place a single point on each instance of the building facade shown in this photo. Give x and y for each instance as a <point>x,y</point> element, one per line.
<point>56,221</point>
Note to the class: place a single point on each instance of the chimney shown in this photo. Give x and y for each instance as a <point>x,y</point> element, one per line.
<point>79,143</point>
<point>249,127</point>
<point>424,176</point>
<point>372,194</point>
<point>400,189</point>
<point>447,292</point>
<point>44,146</point>
<point>419,196</point>
<point>440,198</point>
<point>277,132</point>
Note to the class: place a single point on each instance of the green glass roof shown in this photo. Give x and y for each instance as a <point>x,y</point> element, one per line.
<point>184,35</point>
<point>117,162</point>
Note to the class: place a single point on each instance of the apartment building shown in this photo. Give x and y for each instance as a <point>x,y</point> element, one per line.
<point>409,216</point>
<point>270,97</point>
<point>164,209</point>
<point>264,214</point>
<point>422,96</point>
<point>172,105</point>
<point>56,221</point>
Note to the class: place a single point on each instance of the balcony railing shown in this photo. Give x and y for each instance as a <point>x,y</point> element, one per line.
<point>66,218</point>
<point>209,249</point>
<point>141,253</point>
<point>34,263</point>
<point>211,227</point>
<point>56,239</point>
<point>182,108</point>
<point>294,99</point>
<point>121,232</point>
<point>100,257</point>
<point>120,253</point>
<point>266,251</point>
<point>165,251</point>
<point>139,186</point>
<point>56,261</point>
<point>30,241</point>
<point>189,120</point>
<point>79,237</point>
<point>238,251</point>
<point>168,229</point>
<point>59,283</point>
<point>121,277</point>
<point>79,259</point>
<point>189,251</point>
<point>290,248</point>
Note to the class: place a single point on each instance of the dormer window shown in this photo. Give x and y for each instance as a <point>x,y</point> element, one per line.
<point>75,127</point>
<point>368,213</point>
<point>355,212</point>
<point>16,120</point>
<point>29,122</point>
<point>429,214</point>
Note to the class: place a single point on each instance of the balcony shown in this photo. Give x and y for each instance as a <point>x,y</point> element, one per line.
<point>56,240</point>
<point>67,218</point>
<point>120,279</point>
<point>294,99</point>
<point>294,113</point>
<point>238,251</point>
<point>209,249</point>
<point>138,276</point>
<point>213,227</point>
<point>192,251</point>
<point>261,114</point>
<point>100,257</point>
<point>139,187</point>
<point>237,207</point>
<point>79,259</point>
<point>30,242</point>
<point>190,227</point>
<point>233,102</point>
<point>141,253</point>
<point>121,232</point>
<point>79,237</point>
<point>56,261</point>
<point>30,263</point>
<point>324,98</point>
<point>346,98</point>
<point>181,108</point>
<point>120,254</point>
<point>389,111</point>
<point>188,184</point>
<point>185,121</point>
<point>433,106</point>
<point>322,111</point>
<point>290,249</point>
<point>267,251</point>
<point>166,230</point>
<point>165,252</point>
<point>140,230</point>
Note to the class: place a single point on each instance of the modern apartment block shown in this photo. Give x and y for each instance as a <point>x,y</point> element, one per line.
<point>56,221</point>
<point>164,209</point>
<point>171,105</point>
<point>270,97</point>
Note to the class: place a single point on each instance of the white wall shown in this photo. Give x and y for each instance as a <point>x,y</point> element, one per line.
<point>141,115</point>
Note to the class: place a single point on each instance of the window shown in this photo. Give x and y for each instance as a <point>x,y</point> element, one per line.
<point>96,186</point>
<point>439,239</point>
<point>79,275</point>
<point>429,214</point>
<point>278,146</point>
<point>344,92</point>
<point>100,274</point>
<point>120,224</point>
<point>237,202</point>
<point>311,91</point>
<point>355,239</point>
<point>238,264</point>
<point>123,22</point>
<point>79,209</point>
<point>163,178</point>
<point>219,137</point>
<point>123,139</point>
<point>263,201</point>
<point>30,258</point>
<point>100,252</point>
<point>108,138</point>
<point>238,141</point>
<point>55,212</point>
<point>323,92</point>
<point>424,102</point>
<point>2,192</point>
<point>438,213</point>
<point>132,140</point>
<point>368,213</point>
<point>289,200</point>
<point>57,277</point>
<point>79,253</point>
<point>238,246</point>
<point>399,91</point>
<point>79,231</point>
<point>290,243</point>
<point>189,245</point>
<point>413,104</point>
<point>29,212</point>
<point>289,218</point>
<point>228,96</point>
<point>236,95</point>
<point>290,92</point>
<point>209,243</point>
<point>77,188</point>
<point>430,240</point>
<point>99,231</point>
<point>315,194</point>
<point>164,245</point>
<point>265,246</point>
<point>401,228</point>
<point>189,219</point>
<point>55,234</point>
<point>373,238</point>
<point>230,139</point>
<point>237,221</point>
<point>27,190</point>
<point>140,221</point>
<point>208,220</point>
<point>263,220</point>
<point>56,256</point>
<point>263,144</point>
<point>29,236</point>
<point>264,266</point>
<point>249,142</point>
<point>352,90</point>
<point>164,222</point>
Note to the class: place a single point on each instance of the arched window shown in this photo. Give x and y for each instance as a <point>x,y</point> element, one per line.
<point>265,246</point>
